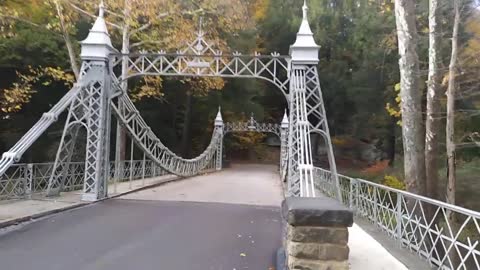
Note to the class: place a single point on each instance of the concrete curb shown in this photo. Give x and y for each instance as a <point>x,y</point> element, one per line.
<point>28,218</point>
<point>173,178</point>
<point>24,219</point>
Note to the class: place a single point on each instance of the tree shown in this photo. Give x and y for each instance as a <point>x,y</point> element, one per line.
<point>60,24</point>
<point>34,17</point>
<point>467,107</point>
<point>450,132</point>
<point>434,92</point>
<point>66,36</point>
<point>411,96</point>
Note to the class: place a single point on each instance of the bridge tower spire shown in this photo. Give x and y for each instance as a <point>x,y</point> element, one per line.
<point>219,127</point>
<point>90,109</point>
<point>284,125</point>
<point>285,120</point>
<point>307,112</point>
<point>305,49</point>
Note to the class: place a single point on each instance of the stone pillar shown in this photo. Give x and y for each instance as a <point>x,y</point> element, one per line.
<point>316,233</point>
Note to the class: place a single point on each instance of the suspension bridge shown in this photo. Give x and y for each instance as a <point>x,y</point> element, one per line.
<point>236,210</point>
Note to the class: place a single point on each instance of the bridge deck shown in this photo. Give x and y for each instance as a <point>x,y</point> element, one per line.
<point>241,184</point>
<point>226,220</point>
<point>132,234</point>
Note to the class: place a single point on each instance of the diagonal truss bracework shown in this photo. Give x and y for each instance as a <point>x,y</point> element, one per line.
<point>15,153</point>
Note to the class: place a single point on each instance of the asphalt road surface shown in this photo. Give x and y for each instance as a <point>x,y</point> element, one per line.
<point>162,235</point>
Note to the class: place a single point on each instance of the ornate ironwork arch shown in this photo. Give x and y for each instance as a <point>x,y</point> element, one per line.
<point>199,58</point>
<point>252,126</point>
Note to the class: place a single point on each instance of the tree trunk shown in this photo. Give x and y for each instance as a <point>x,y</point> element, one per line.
<point>121,141</point>
<point>451,187</point>
<point>68,41</point>
<point>433,120</point>
<point>411,96</point>
<point>187,122</point>
<point>450,133</point>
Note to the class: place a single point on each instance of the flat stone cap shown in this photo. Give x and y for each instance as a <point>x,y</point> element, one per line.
<point>319,211</point>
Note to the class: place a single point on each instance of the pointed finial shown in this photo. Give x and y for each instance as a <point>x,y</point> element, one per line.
<point>251,122</point>
<point>199,47</point>
<point>219,119</point>
<point>200,26</point>
<point>98,45</point>
<point>101,9</point>
<point>284,123</point>
<point>304,50</point>
<point>305,10</point>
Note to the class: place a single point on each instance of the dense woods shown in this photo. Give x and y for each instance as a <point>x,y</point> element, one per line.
<point>399,78</point>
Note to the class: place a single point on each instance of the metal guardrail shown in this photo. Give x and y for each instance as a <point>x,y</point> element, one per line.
<point>445,235</point>
<point>23,180</point>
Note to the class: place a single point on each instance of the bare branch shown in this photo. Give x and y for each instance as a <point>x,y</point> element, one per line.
<point>114,14</point>
<point>30,23</point>
<point>140,43</point>
<point>67,39</point>
<point>473,140</point>
<point>20,20</point>
<point>147,25</point>
<point>92,16</point>
<point>163,15</point>
<point>467,145</point>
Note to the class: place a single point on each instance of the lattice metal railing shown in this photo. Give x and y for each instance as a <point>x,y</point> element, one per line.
<point>14,183</point>
<point>445,235</point>
<point>41,173</point>
<point>23,180</point>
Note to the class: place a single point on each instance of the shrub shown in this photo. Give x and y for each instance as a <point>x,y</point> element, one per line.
<point>393,182</point>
